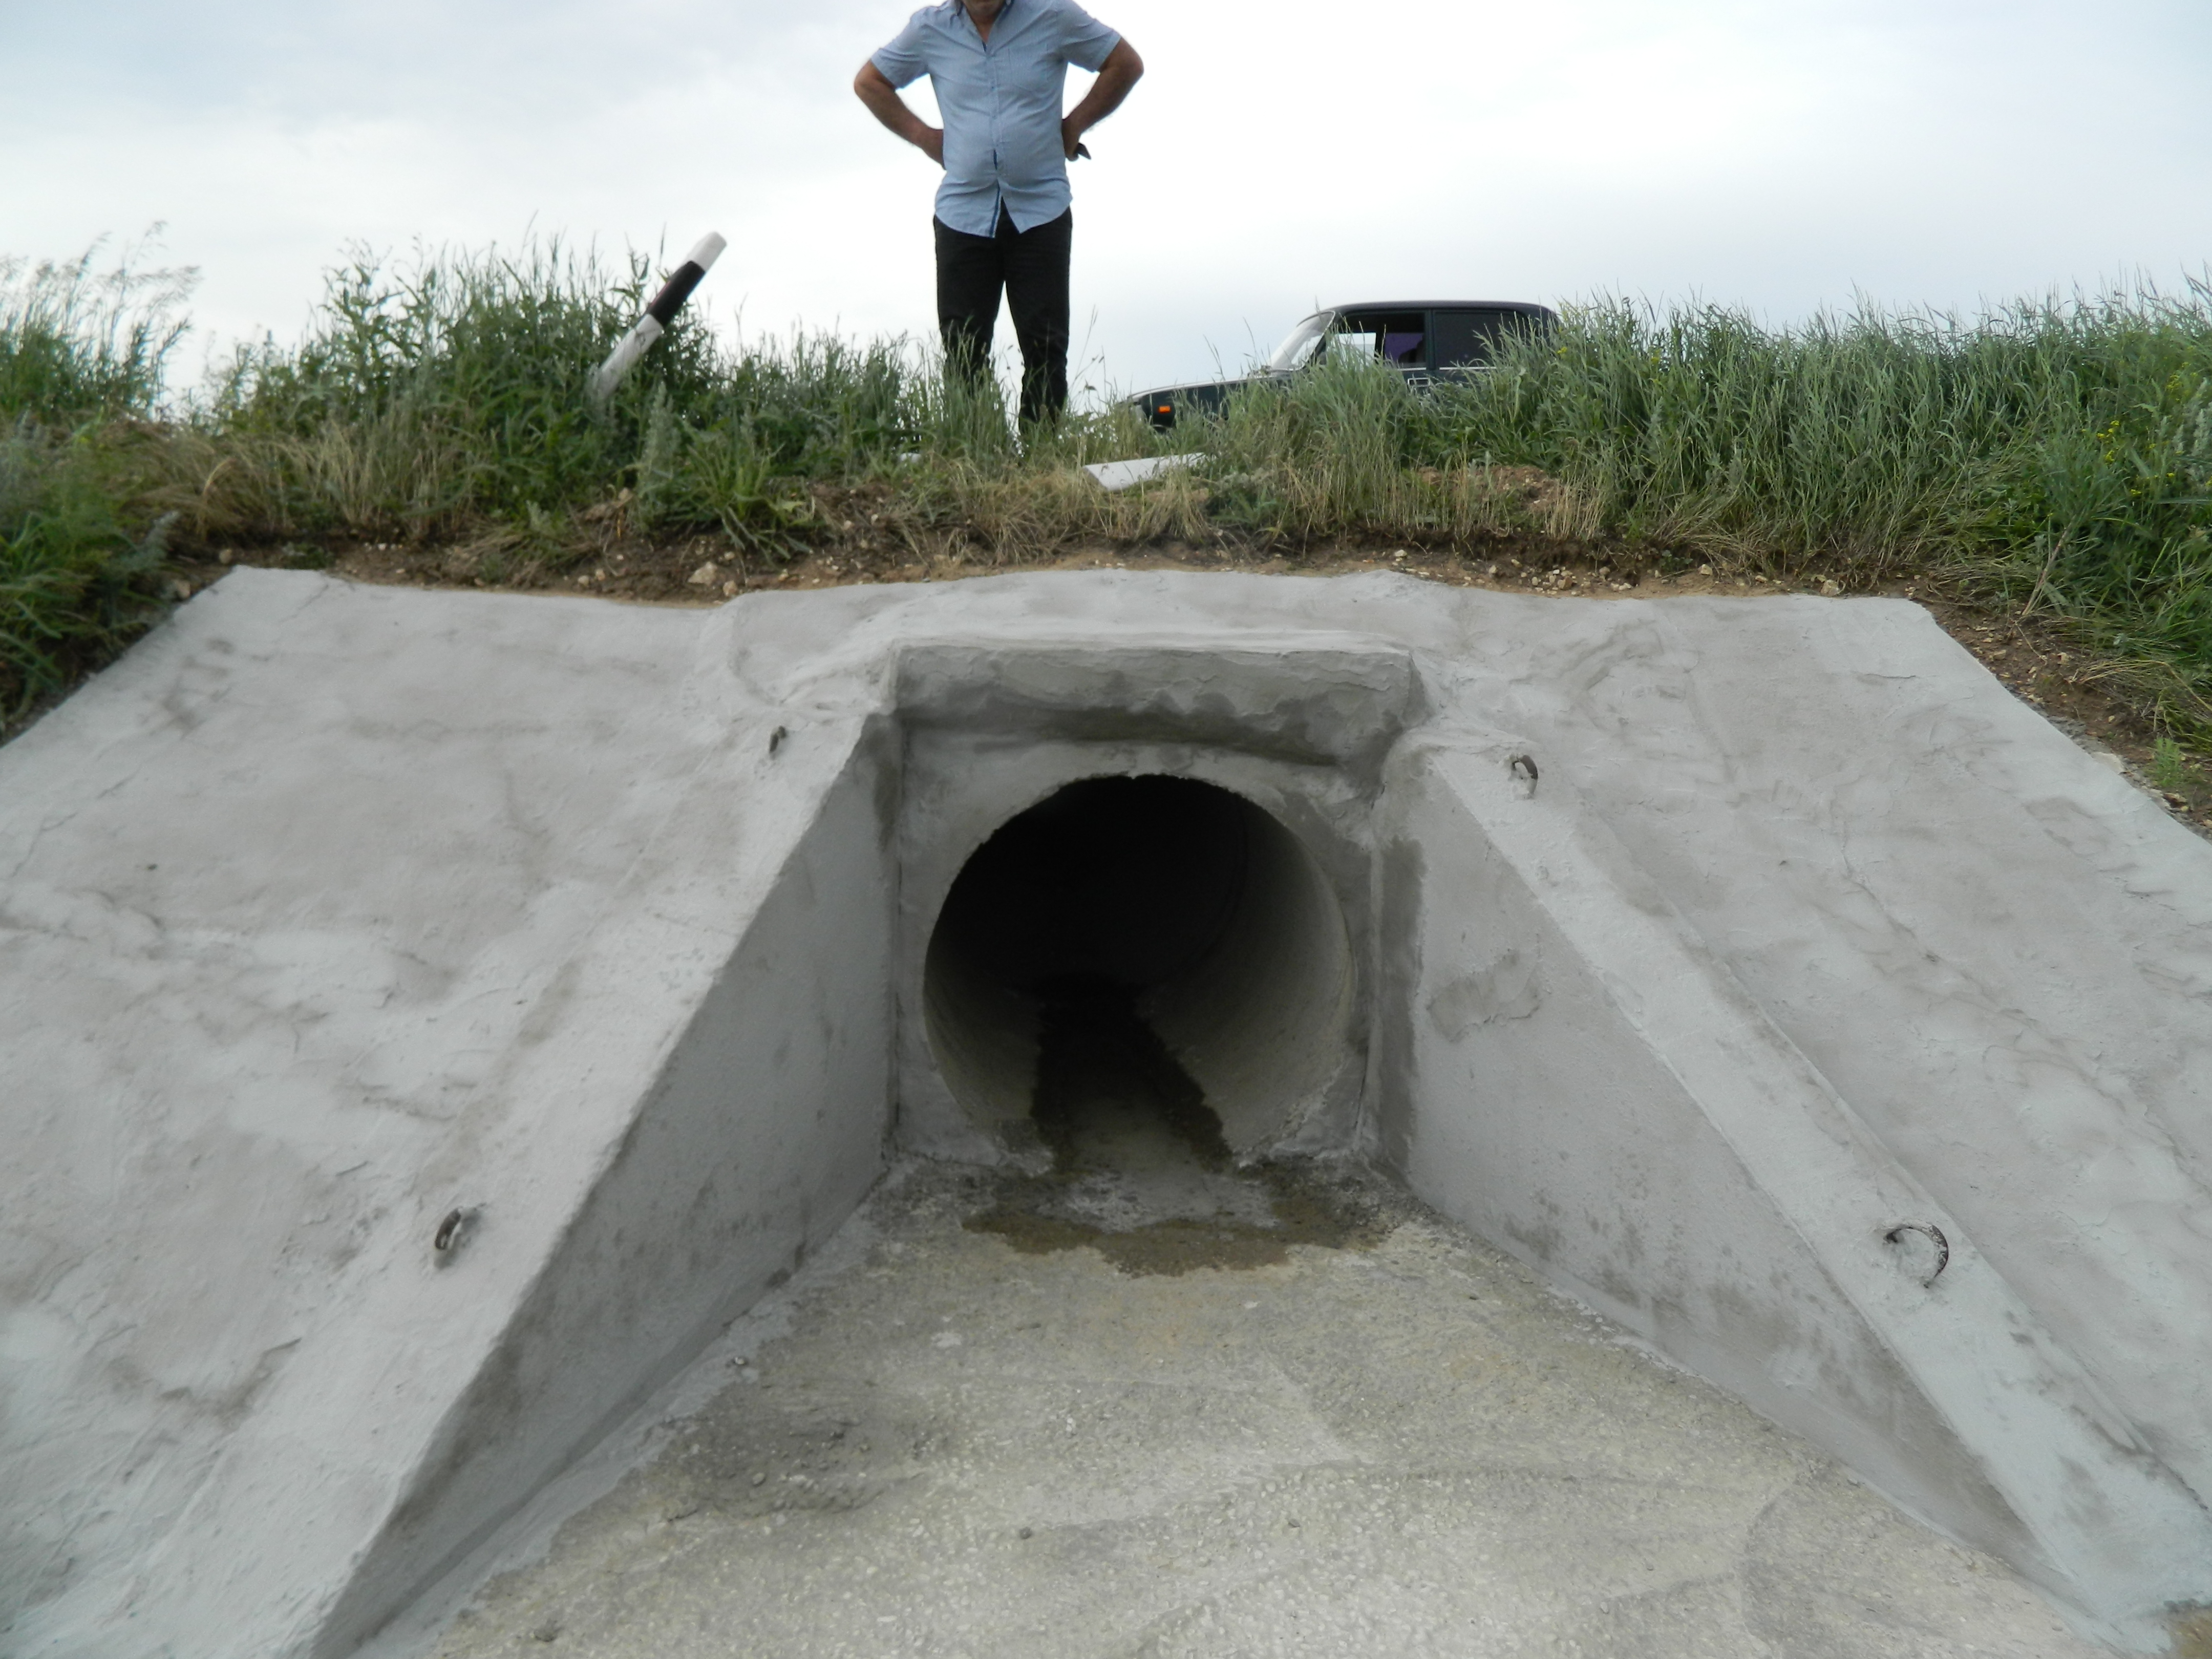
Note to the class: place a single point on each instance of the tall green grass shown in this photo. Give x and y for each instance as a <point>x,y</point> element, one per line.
<point>82,358</point>
<point>453,388</point>
<point>79,344</point>
<point>438,393</point>
<point>2055,457</point>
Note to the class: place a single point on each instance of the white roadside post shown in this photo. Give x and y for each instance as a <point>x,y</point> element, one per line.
<point>657,316</point>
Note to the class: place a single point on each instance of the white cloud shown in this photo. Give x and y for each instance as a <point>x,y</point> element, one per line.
<point>1783,157</point>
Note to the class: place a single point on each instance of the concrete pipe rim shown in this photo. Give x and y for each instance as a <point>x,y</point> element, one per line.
<point>1192,899</point>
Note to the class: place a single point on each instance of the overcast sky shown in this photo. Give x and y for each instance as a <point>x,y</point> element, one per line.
<point>1783,155</point>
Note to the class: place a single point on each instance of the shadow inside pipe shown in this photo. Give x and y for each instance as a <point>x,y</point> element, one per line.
<point>1139,917</point>
<point>1109,1094</point>
<point>1140,1171</point>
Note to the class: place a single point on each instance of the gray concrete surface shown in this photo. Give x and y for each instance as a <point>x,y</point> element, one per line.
<point>330,913</point>
<point>1406,1446</point>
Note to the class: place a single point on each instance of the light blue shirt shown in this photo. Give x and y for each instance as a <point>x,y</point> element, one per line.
<point>1002,103</point>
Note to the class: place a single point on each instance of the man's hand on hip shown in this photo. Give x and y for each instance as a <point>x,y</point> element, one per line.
<point>883,100</point>
<point>1121,70</point>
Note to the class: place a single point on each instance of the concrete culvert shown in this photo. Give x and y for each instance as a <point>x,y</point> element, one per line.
<point>1683,1031</point>
<point>1187,905</point>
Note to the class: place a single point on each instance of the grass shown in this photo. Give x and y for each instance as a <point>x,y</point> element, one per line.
<point>82,355</point>
<point>2169,768</point>
<point>2055,457</point>
<point>2054,460</point>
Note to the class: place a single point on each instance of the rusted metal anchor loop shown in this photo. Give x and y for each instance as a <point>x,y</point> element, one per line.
<point>1935,1235</point>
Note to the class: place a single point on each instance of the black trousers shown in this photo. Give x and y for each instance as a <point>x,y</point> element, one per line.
<point>1031,267</point>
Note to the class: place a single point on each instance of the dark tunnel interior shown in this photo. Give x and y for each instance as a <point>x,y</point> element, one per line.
<point>1147,938</point>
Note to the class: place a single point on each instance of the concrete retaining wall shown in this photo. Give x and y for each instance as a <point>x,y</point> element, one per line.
<point>1568,1071</point>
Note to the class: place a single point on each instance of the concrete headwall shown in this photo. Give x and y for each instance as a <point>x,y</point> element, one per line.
<point>1299,725</point>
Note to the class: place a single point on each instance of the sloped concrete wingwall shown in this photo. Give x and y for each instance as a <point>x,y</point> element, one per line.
<point>766,1128</point>
<point>329,912</point>
<point>1998,950</point>
<point>277,892</point>
<point>1565,1068</point>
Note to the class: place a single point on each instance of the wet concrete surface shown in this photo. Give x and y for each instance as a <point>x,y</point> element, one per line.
<point>1149,1404</point>
<point>1140,1171</point>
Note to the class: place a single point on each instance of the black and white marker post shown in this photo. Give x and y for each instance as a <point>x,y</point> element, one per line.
<point>657,316</point>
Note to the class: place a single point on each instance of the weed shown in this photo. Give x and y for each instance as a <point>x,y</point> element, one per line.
<point>74,579</point>
<point>79,345</point>
<point>2169,767</point>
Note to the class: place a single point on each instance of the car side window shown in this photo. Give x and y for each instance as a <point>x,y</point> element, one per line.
<point>1469,339</point>
<point>1396,337</point>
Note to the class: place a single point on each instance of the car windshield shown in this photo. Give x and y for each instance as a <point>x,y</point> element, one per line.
<point>1294,351</point>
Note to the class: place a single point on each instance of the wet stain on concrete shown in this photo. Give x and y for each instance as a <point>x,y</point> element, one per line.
<point>1304,1210</point>
<point>1140,1170</point>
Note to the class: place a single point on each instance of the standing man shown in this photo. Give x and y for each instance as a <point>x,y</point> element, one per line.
<point>999,68</point>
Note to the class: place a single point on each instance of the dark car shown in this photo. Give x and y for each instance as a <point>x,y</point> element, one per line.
<point>1425,338</point>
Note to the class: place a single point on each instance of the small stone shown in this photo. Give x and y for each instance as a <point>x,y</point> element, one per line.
<point>729,590</point>
<point>759,1478</point>
<point>229,555</point>
<point>181,588</point>
<point>704,574</point>
<point>1831,589</point>
<point>547,1632</point>
<point>1028,1532</point>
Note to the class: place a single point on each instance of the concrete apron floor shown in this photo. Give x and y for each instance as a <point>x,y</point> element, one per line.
<point>1287,1415</point>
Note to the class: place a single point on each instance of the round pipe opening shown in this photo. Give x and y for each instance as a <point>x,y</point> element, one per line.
<point>1189,907</point>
